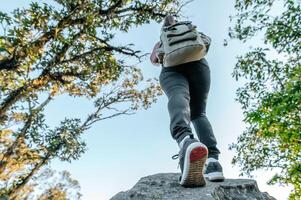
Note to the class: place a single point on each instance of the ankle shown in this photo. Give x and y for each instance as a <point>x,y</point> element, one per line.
<point>181,143</point>
<point>211,159</point>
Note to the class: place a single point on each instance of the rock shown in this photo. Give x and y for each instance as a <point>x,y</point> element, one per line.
<point>166,186</point>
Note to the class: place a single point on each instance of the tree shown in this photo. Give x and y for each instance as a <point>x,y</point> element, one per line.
<point>62,189</point>
<point>49,184</point>
<point>271,95</point>
<point>25,156</point>
<point>65,47</point>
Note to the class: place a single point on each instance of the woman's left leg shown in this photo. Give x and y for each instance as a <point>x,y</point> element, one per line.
<point>175,86</point>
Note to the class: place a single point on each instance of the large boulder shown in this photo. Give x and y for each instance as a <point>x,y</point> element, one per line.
<point>166,186</point>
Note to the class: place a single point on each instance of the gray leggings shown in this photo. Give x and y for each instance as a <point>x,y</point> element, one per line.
<point>187,86</point>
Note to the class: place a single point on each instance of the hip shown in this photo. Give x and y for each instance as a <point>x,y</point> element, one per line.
<point>186,67</point>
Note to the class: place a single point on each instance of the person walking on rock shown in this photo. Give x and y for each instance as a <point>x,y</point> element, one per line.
<point>185,79</point>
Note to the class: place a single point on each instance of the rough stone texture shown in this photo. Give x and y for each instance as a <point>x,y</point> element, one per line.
<point>166,186</point>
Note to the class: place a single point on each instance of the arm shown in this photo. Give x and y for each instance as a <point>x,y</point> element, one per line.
<point>156,55</point>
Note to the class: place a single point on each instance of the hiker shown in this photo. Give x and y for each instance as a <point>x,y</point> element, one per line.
<point>186,86</point>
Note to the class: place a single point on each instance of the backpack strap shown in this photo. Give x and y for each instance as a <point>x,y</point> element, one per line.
<point>173,41</point>
<point>165,28</point>
<point>183,33</point>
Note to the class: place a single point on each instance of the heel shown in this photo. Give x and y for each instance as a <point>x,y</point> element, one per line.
<point>198,153</point>
<point>196,158</point>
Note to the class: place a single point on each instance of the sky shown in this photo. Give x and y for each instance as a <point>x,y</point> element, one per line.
<point>124,149</point>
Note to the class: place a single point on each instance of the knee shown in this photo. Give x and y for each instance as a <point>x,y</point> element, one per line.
<point>179,102</point>
<point>195,116</point>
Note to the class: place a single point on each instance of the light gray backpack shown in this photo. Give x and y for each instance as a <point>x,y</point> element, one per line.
<point>182,43</point>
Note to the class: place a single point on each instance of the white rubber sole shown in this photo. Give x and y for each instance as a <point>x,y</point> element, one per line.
<point>193,172</point>
<point>215,176</point>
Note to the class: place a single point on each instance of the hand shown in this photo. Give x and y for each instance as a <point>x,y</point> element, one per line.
<point>155,58</point>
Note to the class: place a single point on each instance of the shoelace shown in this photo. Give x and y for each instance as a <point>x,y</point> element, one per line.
<point>176,156</point>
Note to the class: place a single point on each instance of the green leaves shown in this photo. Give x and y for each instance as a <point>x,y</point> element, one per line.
<point>67,49</point>
<point>5,18</point>
<point>271,95</point>
<point>284,32</point>
<point>64,141</point>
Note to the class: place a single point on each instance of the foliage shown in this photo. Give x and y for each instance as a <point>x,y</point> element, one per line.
<point>58,185</point>
<point>271,96</point>
<point>65,47</point>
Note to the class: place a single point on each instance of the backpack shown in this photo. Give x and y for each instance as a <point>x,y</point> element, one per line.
<point>182,43</point>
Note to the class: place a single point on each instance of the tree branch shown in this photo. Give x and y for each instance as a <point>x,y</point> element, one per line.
<point>17,94</point>
<point>28,123</point>
<point>110,9</point>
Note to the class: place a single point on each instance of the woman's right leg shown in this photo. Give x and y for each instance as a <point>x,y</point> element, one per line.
<point>199,84</point>
<point>193,154</point>
<point>175,86</point>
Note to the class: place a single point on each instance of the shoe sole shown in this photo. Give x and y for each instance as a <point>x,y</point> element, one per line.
<point>215,176</point>
<point>195,158</point>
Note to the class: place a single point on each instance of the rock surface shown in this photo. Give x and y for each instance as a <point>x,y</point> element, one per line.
<point>166,186</point>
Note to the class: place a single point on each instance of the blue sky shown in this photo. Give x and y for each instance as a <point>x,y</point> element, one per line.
<point>124,149</point>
